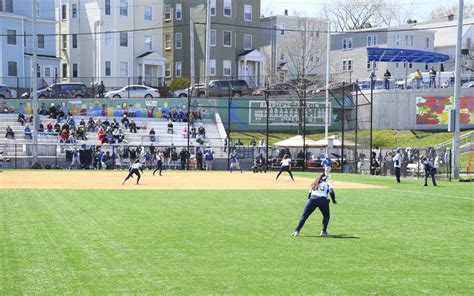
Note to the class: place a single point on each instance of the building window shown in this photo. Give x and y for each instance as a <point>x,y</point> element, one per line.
<point>178,69</point>
<point>107,7</point>
<point>212,38</point>
<point>148,44</point>
<point>179,11</point>
<point>12,69</point>
<point>11,37</point>
<point>108,39</point>
<point>228,8</point>
<point>248,13</point>
<point>64,12</point>
<point>64,71</point>
<point>406,39</point>
<point>74,70</point>
<point>349,43</point>
<point>123,69</point>
<point>1,5</point>
<point>47,71</point>
<point>74,11</point>
<point>148,13</point>
<point>108,68</point>
<point>38,10</point>
<point>124,7</point>
<point>124,39</point>
<point>168,41</point>
<point>178,40</point>
<point>227,68</point>
<point>371,40</point>
<point>427,42</point>
<point>411,40</point>
<point>41,41</point>
<point>38,71</point>
<point>410,65</point>
<point>8,5</point>
<point>213,7</point>
<point>167,70</point>
<point>227,38</point>
<point>344,43</point>
<point>346,65</point>
<point>349,65</point>
<point>74,40</point>
<point>397,39</point>
<point>167,13</point>
<point>247,41</point>
<point>64,41</point>
<point>282,57</point>
<point>426,67</point>
<point>282,29</point>
<point>397,65</point>
<point>212,67</point>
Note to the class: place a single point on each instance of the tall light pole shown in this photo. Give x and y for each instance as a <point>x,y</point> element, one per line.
<point>35,86</point>
<point>457,92</point>
<point>208,49</point>
<point>328,49</point>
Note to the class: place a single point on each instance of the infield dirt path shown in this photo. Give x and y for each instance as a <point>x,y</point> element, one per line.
<point>75,179</point>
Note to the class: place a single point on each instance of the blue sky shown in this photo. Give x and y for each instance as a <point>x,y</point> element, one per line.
<point>421,8</point>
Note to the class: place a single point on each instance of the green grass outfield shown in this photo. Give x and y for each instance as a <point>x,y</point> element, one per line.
<point>405,239</point>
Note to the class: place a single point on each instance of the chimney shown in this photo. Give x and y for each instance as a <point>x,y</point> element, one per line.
<point>286,12</point>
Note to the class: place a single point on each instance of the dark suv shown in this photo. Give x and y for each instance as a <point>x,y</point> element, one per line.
<point>64,90</point>
<point>5,92</point>
<point>222,88</point>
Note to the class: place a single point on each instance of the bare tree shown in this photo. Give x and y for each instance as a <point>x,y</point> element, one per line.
<point>395,14</point>
<point>354,14</point>
<point>445,10</point>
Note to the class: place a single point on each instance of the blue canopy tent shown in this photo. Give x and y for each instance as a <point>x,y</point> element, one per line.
<point>395,55</point>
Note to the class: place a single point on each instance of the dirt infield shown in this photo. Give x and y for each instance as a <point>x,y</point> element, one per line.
<point>32,179</point>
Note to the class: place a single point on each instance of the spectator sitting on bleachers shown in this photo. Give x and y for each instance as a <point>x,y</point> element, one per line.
<point>152,135</point>
<point>72,137</point>
<point>53,111</point>
<point>106,123</point>
<point>57,128</point>
<point>193,132</point>
<point>114,124</point>
<point>202,131</point>
<point>9,134</point>
<point>71,122</point>
<point>185,131</point>
<point>60,115</point>
<point>49,127</point>
<point>125,121</point>
<point>81,133</point>
<point>109,138</point>
<point>91,125</point>
<point>119,136</point>
<point>100,134</point>
<point>170,127</point>
<point>27,132</point>
<point>98,123</point>
<point>41,128</point>
<point>65,126</point>
<point>82,122</point>
<point>21,119</point>
<point>64,136</point>
<point>133,127</point>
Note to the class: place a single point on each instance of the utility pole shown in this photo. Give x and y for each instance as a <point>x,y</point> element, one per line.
<point>35,87</point>
<point>208,49</point>
<point>191,37</point>
<point>457,92</point>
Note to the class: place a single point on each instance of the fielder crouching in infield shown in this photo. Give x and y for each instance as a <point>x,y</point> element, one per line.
<point>135,168</point>
<point>317,198</point>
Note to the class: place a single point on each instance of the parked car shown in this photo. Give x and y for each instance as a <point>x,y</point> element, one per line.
<point>222,88</point>
<point>134,91</point>
<point>63,90</point>
<point>468,84</point>
<point>183,93</point>
<point>5,92</point>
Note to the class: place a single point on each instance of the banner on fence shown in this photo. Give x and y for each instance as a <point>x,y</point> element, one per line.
<point>432,110</point>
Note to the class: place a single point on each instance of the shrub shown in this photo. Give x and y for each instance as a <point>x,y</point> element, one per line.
<point>179,83</point>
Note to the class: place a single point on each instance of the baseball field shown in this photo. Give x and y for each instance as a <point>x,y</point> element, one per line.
<point>82,232</point>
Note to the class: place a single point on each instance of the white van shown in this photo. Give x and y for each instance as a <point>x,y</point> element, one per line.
<point>443,79</point>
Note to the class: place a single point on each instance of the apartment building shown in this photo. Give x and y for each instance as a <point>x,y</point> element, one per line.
<point>234,39</point>
<point>349,61</point>
<point>294,47</point>
<point>115,41</point>
<point>445,30</point>
<point>16,47</point>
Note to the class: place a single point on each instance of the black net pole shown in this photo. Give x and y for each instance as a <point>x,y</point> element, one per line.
<point>342,124</point>
<point>304,127</point>
<point>229,125</point>
<point>187,136</point>
<point>267,99</point>
<point>356,153</point>
<point>371,116</point>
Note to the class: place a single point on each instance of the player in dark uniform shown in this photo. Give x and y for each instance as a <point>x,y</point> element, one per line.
<point>317,198</point>
<point>160,158</point>
<point>285,166</point>
<point>430,170</point>
<point>135,168</point>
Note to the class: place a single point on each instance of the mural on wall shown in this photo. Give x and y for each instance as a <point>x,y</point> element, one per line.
<point>435,110</point>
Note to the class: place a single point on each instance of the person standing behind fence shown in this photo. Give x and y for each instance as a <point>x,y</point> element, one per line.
<point>285,166</point>
<point>75,158</point>
<point>397,163</point>
<point>418,78</point>
<point>432,74</point>
<point>209,157</point>
<point>387,75</point>
<point>430,170</point>
<point>101,89</point>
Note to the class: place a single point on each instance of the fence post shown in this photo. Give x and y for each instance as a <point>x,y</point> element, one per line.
<point>343,135</point>
<point>18,87</point>
<point>187,136</point>
<point>267,100</point>
<point>356,158</point>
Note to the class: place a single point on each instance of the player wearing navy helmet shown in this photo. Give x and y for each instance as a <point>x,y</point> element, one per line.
<point>317,198</point>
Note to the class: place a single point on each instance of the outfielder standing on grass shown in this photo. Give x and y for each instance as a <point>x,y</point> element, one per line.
<point>430,170</point>
<point>135,168</point>
<point>317,198</point>
<point>285,166</point>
